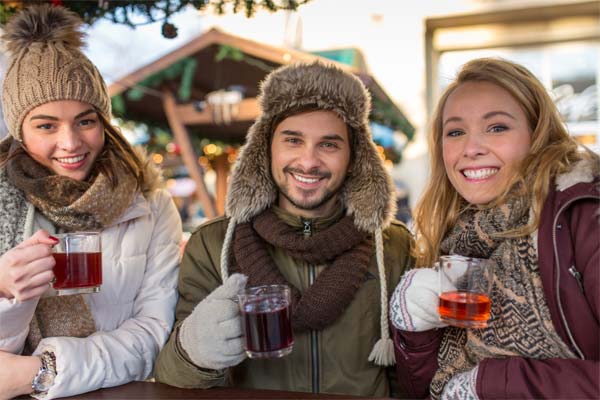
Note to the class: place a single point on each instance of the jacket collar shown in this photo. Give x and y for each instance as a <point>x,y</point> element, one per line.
<point>138,208</point>
<point>297,222</point>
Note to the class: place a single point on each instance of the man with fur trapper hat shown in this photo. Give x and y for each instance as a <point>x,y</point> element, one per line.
<point>309,205</point>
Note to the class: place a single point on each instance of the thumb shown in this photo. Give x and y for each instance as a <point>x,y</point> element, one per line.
<point>230,288</point>
<point>39,237</point>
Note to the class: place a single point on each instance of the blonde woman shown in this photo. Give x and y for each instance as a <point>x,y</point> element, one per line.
<point>507,183</point>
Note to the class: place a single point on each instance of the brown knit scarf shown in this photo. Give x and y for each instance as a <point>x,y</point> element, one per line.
<point>342,246</point>
<point>520,324</point>
<point>72,206</point>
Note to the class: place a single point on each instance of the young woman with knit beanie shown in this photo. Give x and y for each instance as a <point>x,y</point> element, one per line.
<point>65,168</point>
<point>509,184</point>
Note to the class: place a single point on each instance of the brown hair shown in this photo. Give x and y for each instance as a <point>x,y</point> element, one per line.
<point>552,152</point>
<point>123,153</point>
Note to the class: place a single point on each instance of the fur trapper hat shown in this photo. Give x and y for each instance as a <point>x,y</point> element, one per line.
<point>368,191</point>
<point>46,64</point>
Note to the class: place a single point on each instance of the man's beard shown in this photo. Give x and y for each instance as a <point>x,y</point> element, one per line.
<point>309,205</point>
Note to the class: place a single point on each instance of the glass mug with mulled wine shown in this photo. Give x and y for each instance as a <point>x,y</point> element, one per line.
<point>267,321</point>
<point>465,285</point>
<point>78,268</point>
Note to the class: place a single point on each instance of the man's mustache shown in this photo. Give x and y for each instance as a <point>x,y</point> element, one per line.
<point>312,172</point>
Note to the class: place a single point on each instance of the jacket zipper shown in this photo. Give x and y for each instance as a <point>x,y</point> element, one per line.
<point>314,337</point>
<point>577,275</point>
<point>560,309</point>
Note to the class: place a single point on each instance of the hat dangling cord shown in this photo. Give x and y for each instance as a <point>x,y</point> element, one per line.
<point>383,351</point>
<point>225,250</point>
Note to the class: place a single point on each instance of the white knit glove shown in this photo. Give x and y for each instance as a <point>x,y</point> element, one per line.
<point>461,386</point>
<point>414,304</point>
<point>212,334</point>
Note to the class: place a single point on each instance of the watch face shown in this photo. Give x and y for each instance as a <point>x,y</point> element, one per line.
<point>44,381</point>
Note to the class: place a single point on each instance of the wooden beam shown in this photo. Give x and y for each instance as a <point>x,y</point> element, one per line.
<point>248,110</point>
<point>221,166</point>
<point>513,15</point>
<point>188,154</point>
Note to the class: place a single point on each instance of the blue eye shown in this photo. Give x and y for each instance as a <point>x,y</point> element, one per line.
<point>498,128</point>
<point>454,133</point>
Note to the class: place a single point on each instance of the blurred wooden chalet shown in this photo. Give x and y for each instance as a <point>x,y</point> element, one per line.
<point>207,88</point>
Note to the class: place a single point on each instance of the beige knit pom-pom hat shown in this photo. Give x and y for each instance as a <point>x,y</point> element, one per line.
<point>46,64</point>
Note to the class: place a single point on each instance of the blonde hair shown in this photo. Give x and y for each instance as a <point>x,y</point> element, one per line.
<point>552,152</point>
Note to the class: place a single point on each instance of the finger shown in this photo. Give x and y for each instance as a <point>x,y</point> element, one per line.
<point>39,237</point>
<point>35,267</point>
<point>41,279</point>
<point>32,292</point>
<point>233,348</point>
<point>228,310</point>
<point>25,289</point>
<point>230,288</point>
<point>26,255</point>
<point>231,329</point>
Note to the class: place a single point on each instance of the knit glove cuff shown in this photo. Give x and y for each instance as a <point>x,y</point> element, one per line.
<point>414,304</point>
<point>462,386</point>
<point>212,334</point>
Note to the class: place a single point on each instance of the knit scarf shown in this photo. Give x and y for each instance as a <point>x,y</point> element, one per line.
<point>345,249</point>
<point>520,324</point>
<point>70,205</point>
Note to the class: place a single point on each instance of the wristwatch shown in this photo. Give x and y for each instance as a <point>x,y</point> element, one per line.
<point>44,379</point>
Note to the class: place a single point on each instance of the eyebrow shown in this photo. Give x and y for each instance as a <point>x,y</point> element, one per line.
<point>52,118</point>
<point>332,136</point>
<point>485,116</point>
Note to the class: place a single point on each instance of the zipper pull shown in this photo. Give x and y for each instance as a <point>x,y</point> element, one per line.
<point>307,231</point>
<point>577,275</point>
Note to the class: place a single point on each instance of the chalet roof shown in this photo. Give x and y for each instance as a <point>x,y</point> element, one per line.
<point>218,60</point>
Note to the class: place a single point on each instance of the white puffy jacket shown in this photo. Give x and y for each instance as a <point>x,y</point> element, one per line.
<point>133,312</point>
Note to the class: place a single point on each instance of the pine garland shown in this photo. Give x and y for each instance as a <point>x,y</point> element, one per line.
<point>136,13</point>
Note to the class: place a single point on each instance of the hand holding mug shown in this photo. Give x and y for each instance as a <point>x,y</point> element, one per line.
<point>414,304</point>
<point>26,269</point>
<point>212,334</point>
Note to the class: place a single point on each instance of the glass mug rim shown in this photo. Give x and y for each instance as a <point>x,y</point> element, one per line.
<point>459,257</point>
<point>263,289</point>
<point>78,233</point>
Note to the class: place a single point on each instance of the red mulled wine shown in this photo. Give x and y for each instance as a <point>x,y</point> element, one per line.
<point>77,270</point>
<point>268,328</point>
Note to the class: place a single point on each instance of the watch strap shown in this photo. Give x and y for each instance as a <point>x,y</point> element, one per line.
<point>48,367</point>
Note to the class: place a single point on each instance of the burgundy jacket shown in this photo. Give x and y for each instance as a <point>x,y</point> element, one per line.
<point>570,221</point>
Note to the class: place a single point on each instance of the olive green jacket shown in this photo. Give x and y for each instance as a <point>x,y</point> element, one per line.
<point>333,360</point>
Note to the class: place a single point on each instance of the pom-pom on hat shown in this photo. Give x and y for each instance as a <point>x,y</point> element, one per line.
<point>46,64</point>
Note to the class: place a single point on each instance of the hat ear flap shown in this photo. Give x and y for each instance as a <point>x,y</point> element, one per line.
<point>251,187</point>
